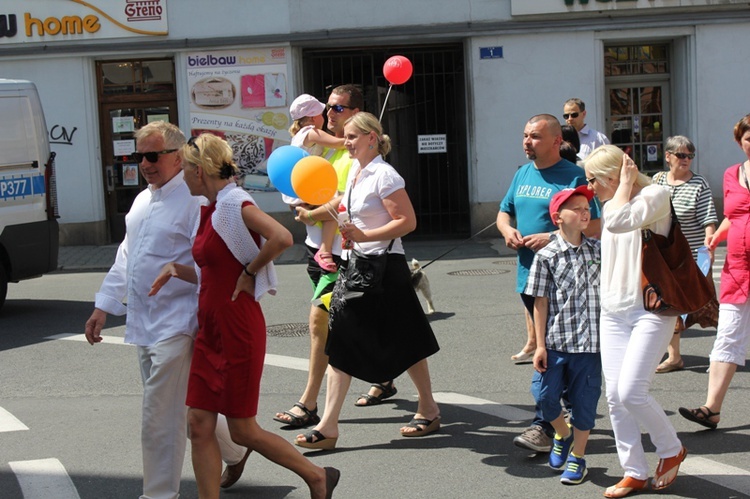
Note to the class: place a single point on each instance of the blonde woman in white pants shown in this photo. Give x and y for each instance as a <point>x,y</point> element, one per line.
<point>633,341</point>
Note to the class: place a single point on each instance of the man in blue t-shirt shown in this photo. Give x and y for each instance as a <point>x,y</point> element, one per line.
<point>527,201</point>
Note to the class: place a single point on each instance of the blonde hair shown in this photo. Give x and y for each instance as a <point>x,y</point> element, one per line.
<point>605,163</point>
<point>368,123</point>
<point>212,154</point>
<point>298,124</point>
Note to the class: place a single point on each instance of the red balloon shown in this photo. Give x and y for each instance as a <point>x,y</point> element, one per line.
<point>397,70</point>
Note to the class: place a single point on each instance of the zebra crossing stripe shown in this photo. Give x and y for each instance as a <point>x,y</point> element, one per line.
<point>44,479</point>
<point>8,422</point>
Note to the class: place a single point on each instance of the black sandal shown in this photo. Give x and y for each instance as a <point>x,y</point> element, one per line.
<point>386,391</point>
<point>701,415</point>
<point>308,418</point>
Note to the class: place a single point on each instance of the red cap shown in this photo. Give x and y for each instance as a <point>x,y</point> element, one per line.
<point>562,196</point>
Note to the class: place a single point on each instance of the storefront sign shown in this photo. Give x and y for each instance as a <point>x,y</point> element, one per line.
<point>540,7</point>
<point>241,95</point>
<point>435,143</point>
<point>50,21</point>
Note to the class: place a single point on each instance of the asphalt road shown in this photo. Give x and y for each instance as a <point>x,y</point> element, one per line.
<point>81,404</point>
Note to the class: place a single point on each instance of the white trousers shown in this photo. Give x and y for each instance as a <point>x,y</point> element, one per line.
<point>164,372</point>
<point>632,344</point>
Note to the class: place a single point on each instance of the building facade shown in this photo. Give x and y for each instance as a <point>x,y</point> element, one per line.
<point>646,69</point>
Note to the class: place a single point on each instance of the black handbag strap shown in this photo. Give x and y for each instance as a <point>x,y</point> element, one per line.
<point>349,212</point>
<point>646,233</point>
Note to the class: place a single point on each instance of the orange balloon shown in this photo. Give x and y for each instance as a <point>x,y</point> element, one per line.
<point>314,180</point>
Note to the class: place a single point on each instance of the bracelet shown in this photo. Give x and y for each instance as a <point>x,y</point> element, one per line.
<point>251,274</point>
<point>309,216</point>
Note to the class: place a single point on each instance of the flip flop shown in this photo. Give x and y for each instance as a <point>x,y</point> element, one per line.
<point>316,440</point>
<point>628,484</point>
<point>665,467</point>
<point>668,367</point>
<point>700,415</point>
<point>386,391</point>
<point>522,357</point>
<point>332,479</point>
<point>308,417</point>
<point>430,426</point>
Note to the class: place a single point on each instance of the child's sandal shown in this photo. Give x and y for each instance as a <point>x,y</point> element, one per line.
<point>325,260</point>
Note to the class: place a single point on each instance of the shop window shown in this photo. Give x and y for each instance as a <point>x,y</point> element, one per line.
<point>136,77</point>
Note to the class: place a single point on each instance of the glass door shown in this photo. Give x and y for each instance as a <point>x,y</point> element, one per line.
<point>637,121</point>
<point>132,93</point>
<point>121,176</point>
<point>637,78</point>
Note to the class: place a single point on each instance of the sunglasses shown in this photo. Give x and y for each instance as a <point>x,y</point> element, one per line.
<point>337,108</point>
<point>191,142</point>
<point>570,115</point>
<point>152,156</point>
<point>682,155</point>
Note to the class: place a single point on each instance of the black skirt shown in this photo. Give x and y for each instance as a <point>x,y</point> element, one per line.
<point>376,337</point>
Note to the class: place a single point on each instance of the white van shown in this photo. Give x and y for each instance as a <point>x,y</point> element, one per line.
<point>28,198</point>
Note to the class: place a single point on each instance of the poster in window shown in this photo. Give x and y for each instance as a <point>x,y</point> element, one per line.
<point>129,174</point>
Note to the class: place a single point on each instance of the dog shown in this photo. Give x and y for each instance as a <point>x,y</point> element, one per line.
<point>421,283</point>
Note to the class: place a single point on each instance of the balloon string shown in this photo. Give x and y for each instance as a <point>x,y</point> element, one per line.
<point>332,213</point>
<point>385,102</point>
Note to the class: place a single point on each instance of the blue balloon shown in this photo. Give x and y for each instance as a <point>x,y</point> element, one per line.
<point>280,165</point>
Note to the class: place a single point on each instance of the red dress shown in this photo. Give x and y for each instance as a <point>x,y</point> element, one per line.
<point>230,346</point>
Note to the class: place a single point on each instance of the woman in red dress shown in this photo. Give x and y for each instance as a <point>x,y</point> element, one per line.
<point>233,250</point>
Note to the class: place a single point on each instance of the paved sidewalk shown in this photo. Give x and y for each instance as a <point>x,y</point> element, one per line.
<point>101,258</point>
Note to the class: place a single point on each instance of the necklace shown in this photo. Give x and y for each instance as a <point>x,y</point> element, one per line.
<point>744,176</point>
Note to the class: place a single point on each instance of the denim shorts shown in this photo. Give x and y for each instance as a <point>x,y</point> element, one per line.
<point>581,373</point>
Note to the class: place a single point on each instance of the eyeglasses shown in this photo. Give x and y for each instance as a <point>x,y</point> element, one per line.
<point>591,180</point>
<point>682,155</point>
<point>337,108</point>
<point>151,156</point>
<point>570,115</point>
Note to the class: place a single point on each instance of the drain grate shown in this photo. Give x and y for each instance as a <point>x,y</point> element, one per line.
<point>478,272</point>
<point>510,261</point>
<point>291,330</point>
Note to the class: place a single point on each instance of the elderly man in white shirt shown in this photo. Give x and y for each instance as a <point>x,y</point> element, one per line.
<point>574,113</point>
<point>159,228</point>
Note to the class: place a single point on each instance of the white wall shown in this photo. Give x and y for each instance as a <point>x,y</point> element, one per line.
<point>723,72</point>
<point>70,105</point>
<point>196,18</point>
<point>536,75</point>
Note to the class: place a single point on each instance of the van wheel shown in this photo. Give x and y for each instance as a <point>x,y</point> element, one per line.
<point>3,285</point>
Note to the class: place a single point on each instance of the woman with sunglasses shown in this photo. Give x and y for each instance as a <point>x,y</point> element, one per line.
<point>733,331</point>
<point>694,206</point>
<point>376,336</point>
<point>234,248</point>
<point>632,339</point>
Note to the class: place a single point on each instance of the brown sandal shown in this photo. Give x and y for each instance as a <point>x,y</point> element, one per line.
<point>628,484</point>
<point>665,467</point>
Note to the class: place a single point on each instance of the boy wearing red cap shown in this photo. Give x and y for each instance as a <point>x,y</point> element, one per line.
<point>564,279</point>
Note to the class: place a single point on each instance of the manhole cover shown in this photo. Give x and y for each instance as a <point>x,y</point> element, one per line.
<point>293,330</point>
<point>510,261</point>
<point>475,272</point>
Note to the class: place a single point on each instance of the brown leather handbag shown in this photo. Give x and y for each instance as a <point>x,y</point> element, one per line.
<point>673,284</point>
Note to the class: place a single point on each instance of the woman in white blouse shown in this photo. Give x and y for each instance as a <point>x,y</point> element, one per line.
<point>632,340</point>
<point>376,336</point>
